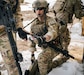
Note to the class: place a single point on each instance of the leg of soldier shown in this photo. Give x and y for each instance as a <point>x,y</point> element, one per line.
<point>64,36</point>
<point>45,60</point>
<point>63,44</point>
<point>8,56</point>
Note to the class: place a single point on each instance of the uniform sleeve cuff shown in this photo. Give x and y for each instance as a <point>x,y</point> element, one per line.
<point>49,34</point>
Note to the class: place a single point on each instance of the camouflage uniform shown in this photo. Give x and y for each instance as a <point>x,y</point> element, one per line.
<point>64,10</point>
<point>5,48</point>
<point>45,58</point>
<point>18,15</point>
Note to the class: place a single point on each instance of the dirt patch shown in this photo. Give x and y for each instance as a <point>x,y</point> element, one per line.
<point>28,15</point>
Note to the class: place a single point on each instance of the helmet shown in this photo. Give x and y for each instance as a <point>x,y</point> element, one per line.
<point>40,3</point>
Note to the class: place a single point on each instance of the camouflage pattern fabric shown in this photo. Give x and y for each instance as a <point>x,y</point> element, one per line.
<point>5,48</point>
<point>8,56</point>
<point>18,15</point>
<point>64,36</point>
<point>64,10</point>
<point>45,59</point>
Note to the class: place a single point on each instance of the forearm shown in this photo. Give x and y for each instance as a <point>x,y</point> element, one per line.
<point>52,33</point>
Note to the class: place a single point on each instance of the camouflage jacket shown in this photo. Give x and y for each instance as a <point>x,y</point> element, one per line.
<point>64,10</point>
<point>37,28</point>
<point>17,14</point>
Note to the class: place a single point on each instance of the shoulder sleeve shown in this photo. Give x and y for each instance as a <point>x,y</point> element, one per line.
<point>78,9</point>
<point>53,28</point>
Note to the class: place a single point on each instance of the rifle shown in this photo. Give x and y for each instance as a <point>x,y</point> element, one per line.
<point>7,19</point>
<point>41,41</point>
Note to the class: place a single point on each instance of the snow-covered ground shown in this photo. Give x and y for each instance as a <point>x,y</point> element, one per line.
<point>71,67</point>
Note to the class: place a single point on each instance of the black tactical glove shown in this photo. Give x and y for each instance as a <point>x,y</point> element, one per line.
<point>41,41</point>
<point>20,57</point>
<point>62,22</point>
<point>22,34</point>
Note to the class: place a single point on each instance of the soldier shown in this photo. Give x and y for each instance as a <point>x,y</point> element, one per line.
<point>5,48</point>
<point>64,10</point>
<point>48,28</point>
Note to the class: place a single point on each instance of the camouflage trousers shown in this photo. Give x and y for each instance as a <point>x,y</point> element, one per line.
<point>7,56</point>
<point>45,60</point>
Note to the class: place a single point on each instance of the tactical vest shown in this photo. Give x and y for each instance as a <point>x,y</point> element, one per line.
<point>39,28</point>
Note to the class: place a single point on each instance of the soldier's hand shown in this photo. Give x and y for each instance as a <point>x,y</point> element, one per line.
<point>41,40</point>
<point>62,22</point>
<point>38,39</point>
<point>20,57</point>
<point>22,34</point>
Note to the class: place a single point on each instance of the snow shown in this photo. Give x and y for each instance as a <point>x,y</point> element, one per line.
<point>76,31</point>
<point>1,59</point>
<point>68,68</point>
<point>82,1</point>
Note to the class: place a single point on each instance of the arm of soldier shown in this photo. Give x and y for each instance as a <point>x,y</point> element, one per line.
<point>65,39</point>
<point>60,59</point>
<point>52,31</point>
<point>78,9</point>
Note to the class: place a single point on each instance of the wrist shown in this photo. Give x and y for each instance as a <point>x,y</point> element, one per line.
<point>47,38</point>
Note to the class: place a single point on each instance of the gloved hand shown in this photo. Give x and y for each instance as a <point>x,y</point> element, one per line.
<point>41,41</point>
<point>36,39</point>
<point>20,57</point>
<point>62,22</point>
<point>22,34</point>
